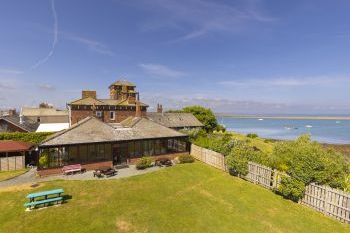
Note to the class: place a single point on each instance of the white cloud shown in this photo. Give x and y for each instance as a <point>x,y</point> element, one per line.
<point>286,82</point>
<point>93,45</point>
<point>162,71</point>
<point>10,71</point>
<point>199,17</point>
<point>47,87</point>
<point>55,38</point>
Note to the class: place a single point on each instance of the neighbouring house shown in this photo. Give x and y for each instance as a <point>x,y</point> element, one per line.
<point>52,127</point>
<point>175,121</point>
<point>123,102</point>
<point>45,115</point>
<point>14,123</point>
<point>94,143</point>
<point>14,155</point>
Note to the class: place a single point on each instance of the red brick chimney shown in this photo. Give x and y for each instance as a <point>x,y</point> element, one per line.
<point>159,108</point>
<point>138,112</point>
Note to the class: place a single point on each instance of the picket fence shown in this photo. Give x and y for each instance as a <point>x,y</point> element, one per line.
<point>332,202</point>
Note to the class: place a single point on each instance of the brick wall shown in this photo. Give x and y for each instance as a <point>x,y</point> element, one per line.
<point>8,127</point>
<point>120,115</point>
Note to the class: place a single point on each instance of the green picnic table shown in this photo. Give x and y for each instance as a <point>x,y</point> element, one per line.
<point>44,198</point>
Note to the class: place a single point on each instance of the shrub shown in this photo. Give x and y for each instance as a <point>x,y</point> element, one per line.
<point>309,162</point>
<point>291,188</point>
<point>186,158</point>
<point>252,135</point>
<point>26,137</point>
<point>241,154</point>
<point>44,159</point>
<point>144,163</point>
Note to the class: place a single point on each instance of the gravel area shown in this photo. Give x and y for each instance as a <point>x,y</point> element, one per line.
<point>31,178</point>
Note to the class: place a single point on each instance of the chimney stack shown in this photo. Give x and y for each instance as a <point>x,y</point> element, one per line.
<point>138,109</point>
<point>159,108</point>
<point>86,93</point>
<point>12,112</point>
<point>21,120</point>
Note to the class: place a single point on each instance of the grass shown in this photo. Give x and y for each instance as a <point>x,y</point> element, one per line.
<point>5,175</point>
<point>184,198</point>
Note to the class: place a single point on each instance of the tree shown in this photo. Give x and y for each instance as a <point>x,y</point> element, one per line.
<point>204,115</point>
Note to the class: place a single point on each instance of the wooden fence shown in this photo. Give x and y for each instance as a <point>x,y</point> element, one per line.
<point>331,202</point>
<point>208,156</point>
<point>260,174</point>
<point>12,163</point>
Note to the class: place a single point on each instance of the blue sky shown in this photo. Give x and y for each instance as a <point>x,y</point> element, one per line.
<point>246,56</point>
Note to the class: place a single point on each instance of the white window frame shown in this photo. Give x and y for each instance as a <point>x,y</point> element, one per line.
<point>99,113</point>
<point>112,112</point>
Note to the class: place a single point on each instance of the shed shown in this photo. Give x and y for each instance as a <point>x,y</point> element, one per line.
<point>13,154</point>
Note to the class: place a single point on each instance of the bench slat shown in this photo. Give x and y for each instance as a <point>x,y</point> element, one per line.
<point>34,203</point>
<point>40,194</point>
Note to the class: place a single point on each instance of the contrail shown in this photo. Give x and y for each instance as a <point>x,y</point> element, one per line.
<point>55,36</point>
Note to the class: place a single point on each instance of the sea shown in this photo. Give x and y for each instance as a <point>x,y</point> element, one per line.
<point>324,131</point>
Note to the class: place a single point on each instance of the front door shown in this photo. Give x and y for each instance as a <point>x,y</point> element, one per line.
<point>120,154</point>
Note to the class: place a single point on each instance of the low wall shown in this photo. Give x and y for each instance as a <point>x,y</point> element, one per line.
<point>168,156</point>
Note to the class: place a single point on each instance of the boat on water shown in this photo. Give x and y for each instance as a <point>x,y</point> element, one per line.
<point>308,126</point>
<point>337,122</point>
<point>260,119</point>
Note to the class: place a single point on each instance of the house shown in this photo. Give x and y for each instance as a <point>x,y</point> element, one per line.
<point>45,115</point>
<point>123,102</point>
<point>14,155</point>
<point>14,123</point>
<point>94,143</point>
<point>176,120</point>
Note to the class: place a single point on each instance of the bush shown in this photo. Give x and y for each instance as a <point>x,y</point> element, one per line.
<point>308,162</point>
<point>25,137</point>
<point>186,158</point>
<point>252,135</point>
<point>241,154</point>
<point>44,159</point>
<point>144,163</point>
<point>291,188</point>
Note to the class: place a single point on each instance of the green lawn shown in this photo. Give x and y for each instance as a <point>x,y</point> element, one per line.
<point>183,198</point>
<point>10,174</point>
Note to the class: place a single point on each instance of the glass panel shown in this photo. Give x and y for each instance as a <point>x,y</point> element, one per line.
<point>138,151</point>
<point>83,153</point>
<point>73,154</point>
<point>151,147</point>
<point>131,149</point>
<point>108,152</point>
<point>92,152</point>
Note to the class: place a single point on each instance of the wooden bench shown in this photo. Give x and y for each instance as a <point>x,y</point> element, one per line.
<point>46,198</point>
<point>70,169</point>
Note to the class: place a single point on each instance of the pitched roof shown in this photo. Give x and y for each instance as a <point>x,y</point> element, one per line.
<point>92,130</point>
<point>27,111</point>
<point>27,124</point>
<point>123,83</point>
<point>175,120</point>
<point>87,101</point>
<point>14,146</point>
<point>112,102</point>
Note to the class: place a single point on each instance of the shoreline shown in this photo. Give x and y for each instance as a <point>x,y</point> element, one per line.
<point>343,118</point>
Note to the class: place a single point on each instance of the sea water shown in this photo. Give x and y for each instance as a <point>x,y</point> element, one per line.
<point>325,131</point>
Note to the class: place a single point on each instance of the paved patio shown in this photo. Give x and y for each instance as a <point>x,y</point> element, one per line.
<point>31,178</point>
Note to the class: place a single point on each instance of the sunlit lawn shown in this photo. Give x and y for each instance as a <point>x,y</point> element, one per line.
<point>5,175</point>
<point>183,198</point>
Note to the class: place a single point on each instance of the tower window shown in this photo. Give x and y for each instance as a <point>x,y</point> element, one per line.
<point>38,119</point>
